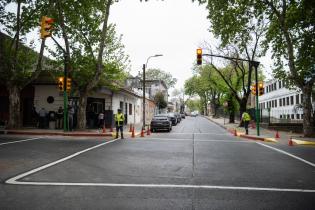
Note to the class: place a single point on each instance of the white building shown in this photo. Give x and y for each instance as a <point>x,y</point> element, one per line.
<point>280,103</point>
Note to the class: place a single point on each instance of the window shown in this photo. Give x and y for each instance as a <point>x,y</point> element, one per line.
<point>130,109</point>
<point>280,116</point>
<point>275,86</point>
<point>272,104</point>
<point>283,101</point>
<point>288,116</point>
<point>298,116</point>
<point>291,100</point>
<point>302,100</point>
<point>121,105</point>
<point>288,101</point>
<point>292,116</point>
<point>280,102</point>
<point>279,84</point>
<point>275,103</point>
<point>297,99</point>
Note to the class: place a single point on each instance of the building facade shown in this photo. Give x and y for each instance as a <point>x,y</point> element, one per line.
<point>280,103</point>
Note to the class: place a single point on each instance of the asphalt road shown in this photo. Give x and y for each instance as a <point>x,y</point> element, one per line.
<point>196,166</point>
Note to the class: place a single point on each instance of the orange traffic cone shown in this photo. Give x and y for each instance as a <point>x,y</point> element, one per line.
<point>133,132</point>
<point>235,132</point>
<point>130,128</point>
<point>104,129</point>
<point>277,135</point>
<point>290,142</point>
<point>148,131</point>
<point>142,132</point>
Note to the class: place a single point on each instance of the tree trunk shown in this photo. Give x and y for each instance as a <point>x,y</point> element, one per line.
<point>231,111</point>
<point>243,104</point>
<point>307,111</point>
<point>82,111</point>
<point>14,107</point>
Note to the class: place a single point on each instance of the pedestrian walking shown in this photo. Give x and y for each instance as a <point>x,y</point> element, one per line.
<point>119,121</point>
<point>70,117</point>
<point>101,120</point>
<point>42,118</point>
<point>60,118</point>
<point>245,119</point>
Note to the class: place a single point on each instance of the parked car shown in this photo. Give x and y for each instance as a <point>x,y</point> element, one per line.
<point>193,114</point>
<point>183,115</point>
<point>179,118</point>
<point>161,123</point>
<point>173,118</point>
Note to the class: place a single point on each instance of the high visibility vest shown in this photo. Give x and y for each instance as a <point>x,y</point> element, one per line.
<point>246,116</point>
<point>119,119</point>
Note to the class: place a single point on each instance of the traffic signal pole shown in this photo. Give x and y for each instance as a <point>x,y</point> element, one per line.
<point>255,64</point>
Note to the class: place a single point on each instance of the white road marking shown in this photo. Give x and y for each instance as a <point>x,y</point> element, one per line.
<point>163,186</point>
<point>19,141</point>
<point>196,140</point>
<point>286,153</point>
<point>13,179</point>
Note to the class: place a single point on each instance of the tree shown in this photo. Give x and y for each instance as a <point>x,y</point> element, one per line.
<point>157,74</point>
<point>18,61</point>
<point>159,100</point>
<point>93,52</point>
<point>290,35</point>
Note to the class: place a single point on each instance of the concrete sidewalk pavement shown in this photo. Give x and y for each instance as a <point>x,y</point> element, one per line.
<point>280,137</point>
<point>87,132</point>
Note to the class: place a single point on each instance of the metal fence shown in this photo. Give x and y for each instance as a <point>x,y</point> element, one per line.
<point>280,116</point>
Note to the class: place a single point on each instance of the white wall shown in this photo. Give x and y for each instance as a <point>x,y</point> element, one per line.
<point>42,92</point>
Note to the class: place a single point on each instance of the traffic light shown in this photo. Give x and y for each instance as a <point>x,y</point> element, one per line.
<point>46,27</point>
<point>261,88</point>
<point>68,84</point>
<point>60,83</point>
<point>253,88</point>
<point>199,56</point>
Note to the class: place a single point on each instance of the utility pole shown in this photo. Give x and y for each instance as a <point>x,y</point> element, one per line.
<point>143,97</point>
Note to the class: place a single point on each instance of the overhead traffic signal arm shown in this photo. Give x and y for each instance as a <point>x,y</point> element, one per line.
<point>46,27</point>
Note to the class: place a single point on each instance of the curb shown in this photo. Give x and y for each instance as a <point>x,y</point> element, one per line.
<point>303,142</point>
<point>242,135</point>
<point>57,134</point>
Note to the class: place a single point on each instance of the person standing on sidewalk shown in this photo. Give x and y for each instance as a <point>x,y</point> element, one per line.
<point>100,120</point>
<point>245,119</point>
<point>60,118</point>
<point>119,121</point>
<point>70,117</point>
<point>42,118</point>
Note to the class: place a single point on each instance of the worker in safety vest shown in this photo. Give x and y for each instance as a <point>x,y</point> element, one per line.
<point>246,119</point>
<point>119,121</point>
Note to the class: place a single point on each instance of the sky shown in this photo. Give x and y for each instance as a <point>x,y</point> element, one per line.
<point>174,28</point>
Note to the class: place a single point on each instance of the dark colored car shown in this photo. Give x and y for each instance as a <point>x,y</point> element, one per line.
<point>161,123</point>
<point>179,118</point>
<point>183,115</point>
<point>173,118</point>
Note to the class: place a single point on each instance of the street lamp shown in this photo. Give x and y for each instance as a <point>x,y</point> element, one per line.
<point>143,87</point>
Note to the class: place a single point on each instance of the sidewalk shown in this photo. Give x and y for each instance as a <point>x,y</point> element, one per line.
<point>265,134</point>
<point>87,132</point>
